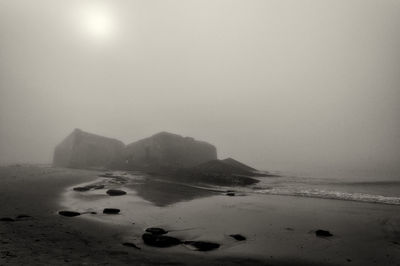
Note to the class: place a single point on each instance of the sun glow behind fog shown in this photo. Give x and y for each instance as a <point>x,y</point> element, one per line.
<point>96,21</point>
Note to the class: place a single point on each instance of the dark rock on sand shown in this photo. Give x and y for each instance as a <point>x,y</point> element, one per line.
<point>167,150</point>
<point>219,172</point>
<point>69,213</point>
<point>6,219</point>
<point>323,233</point>
<point>156,231</point>
<point>87,188</point>
<point>111,211</point>
<point>115,192</point>
<point>81,189</point>
<point>23,216</point>
<point>81,149</point>
<point>231,194</point>
<point>131,245</point>
<point>160,241</point>
<point>238,237</point>
<point>202,245</point>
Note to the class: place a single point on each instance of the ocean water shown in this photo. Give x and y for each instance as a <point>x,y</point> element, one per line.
<point>345,189</point>
<point>368,189</point>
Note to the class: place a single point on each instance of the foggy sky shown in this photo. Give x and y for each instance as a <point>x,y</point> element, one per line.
<point>280,85</point>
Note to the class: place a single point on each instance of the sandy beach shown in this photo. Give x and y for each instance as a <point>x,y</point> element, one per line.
<point>279,230</point>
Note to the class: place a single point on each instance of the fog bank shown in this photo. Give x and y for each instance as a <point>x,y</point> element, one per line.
<point>280,85</point>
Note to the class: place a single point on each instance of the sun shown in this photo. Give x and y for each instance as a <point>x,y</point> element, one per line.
<point>97,21</point>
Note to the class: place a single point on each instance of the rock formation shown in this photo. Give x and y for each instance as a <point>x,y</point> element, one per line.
<point>238,165</point>
<point>220,172</point>
<point>166,150</point>
<point>85,150</point>
<point>226,167</point>
<point>170,155</point>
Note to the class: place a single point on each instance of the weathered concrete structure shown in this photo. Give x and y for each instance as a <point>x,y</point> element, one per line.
<point>166,150</point>
<point>85,150</point>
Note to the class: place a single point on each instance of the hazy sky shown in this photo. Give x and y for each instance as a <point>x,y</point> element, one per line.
<point>281,85</point>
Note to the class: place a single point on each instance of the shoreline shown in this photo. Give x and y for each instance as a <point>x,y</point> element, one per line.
<point>48,238</point>
<point>275,225</point>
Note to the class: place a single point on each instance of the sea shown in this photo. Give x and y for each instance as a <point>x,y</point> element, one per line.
<point>347,186</point>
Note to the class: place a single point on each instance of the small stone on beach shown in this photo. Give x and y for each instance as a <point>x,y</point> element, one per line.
<point>156,231</point>
<point>230,193</point>
<point>115,192</point>
<point>81,189</point>
<point>323,233</point>
<point>202,245</point>
<point>238,237</point>
<point>111,211</point>
<point>23,216</point>
<point>69,213</point>
<point>87,188</point>
<point>6,219</point>
<point>160,241</point>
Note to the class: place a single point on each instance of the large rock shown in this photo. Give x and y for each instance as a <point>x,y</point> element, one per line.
<point>166,150</point>
<point>228,172</point>
<point>238,165</point>
<point>225,167</point>
<point>85,150</point>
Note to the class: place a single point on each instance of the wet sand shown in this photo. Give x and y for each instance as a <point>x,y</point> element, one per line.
<point>279,229</point>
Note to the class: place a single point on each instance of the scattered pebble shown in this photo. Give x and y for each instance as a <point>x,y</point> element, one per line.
<point>81,189</point>
<point>69,213</point>
<point>87,188</point>
<point>111,211</point>
<point>115,192</point>
<point>323,233</point>
<point>238,237</point>
<point>160,241</point>
<point>6,219</point>
<point>23,216</point>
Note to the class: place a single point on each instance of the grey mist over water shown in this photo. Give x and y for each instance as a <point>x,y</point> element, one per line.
<point>306,87</point>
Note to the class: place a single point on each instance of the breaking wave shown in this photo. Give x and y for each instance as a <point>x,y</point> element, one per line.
<point>327,194</point>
